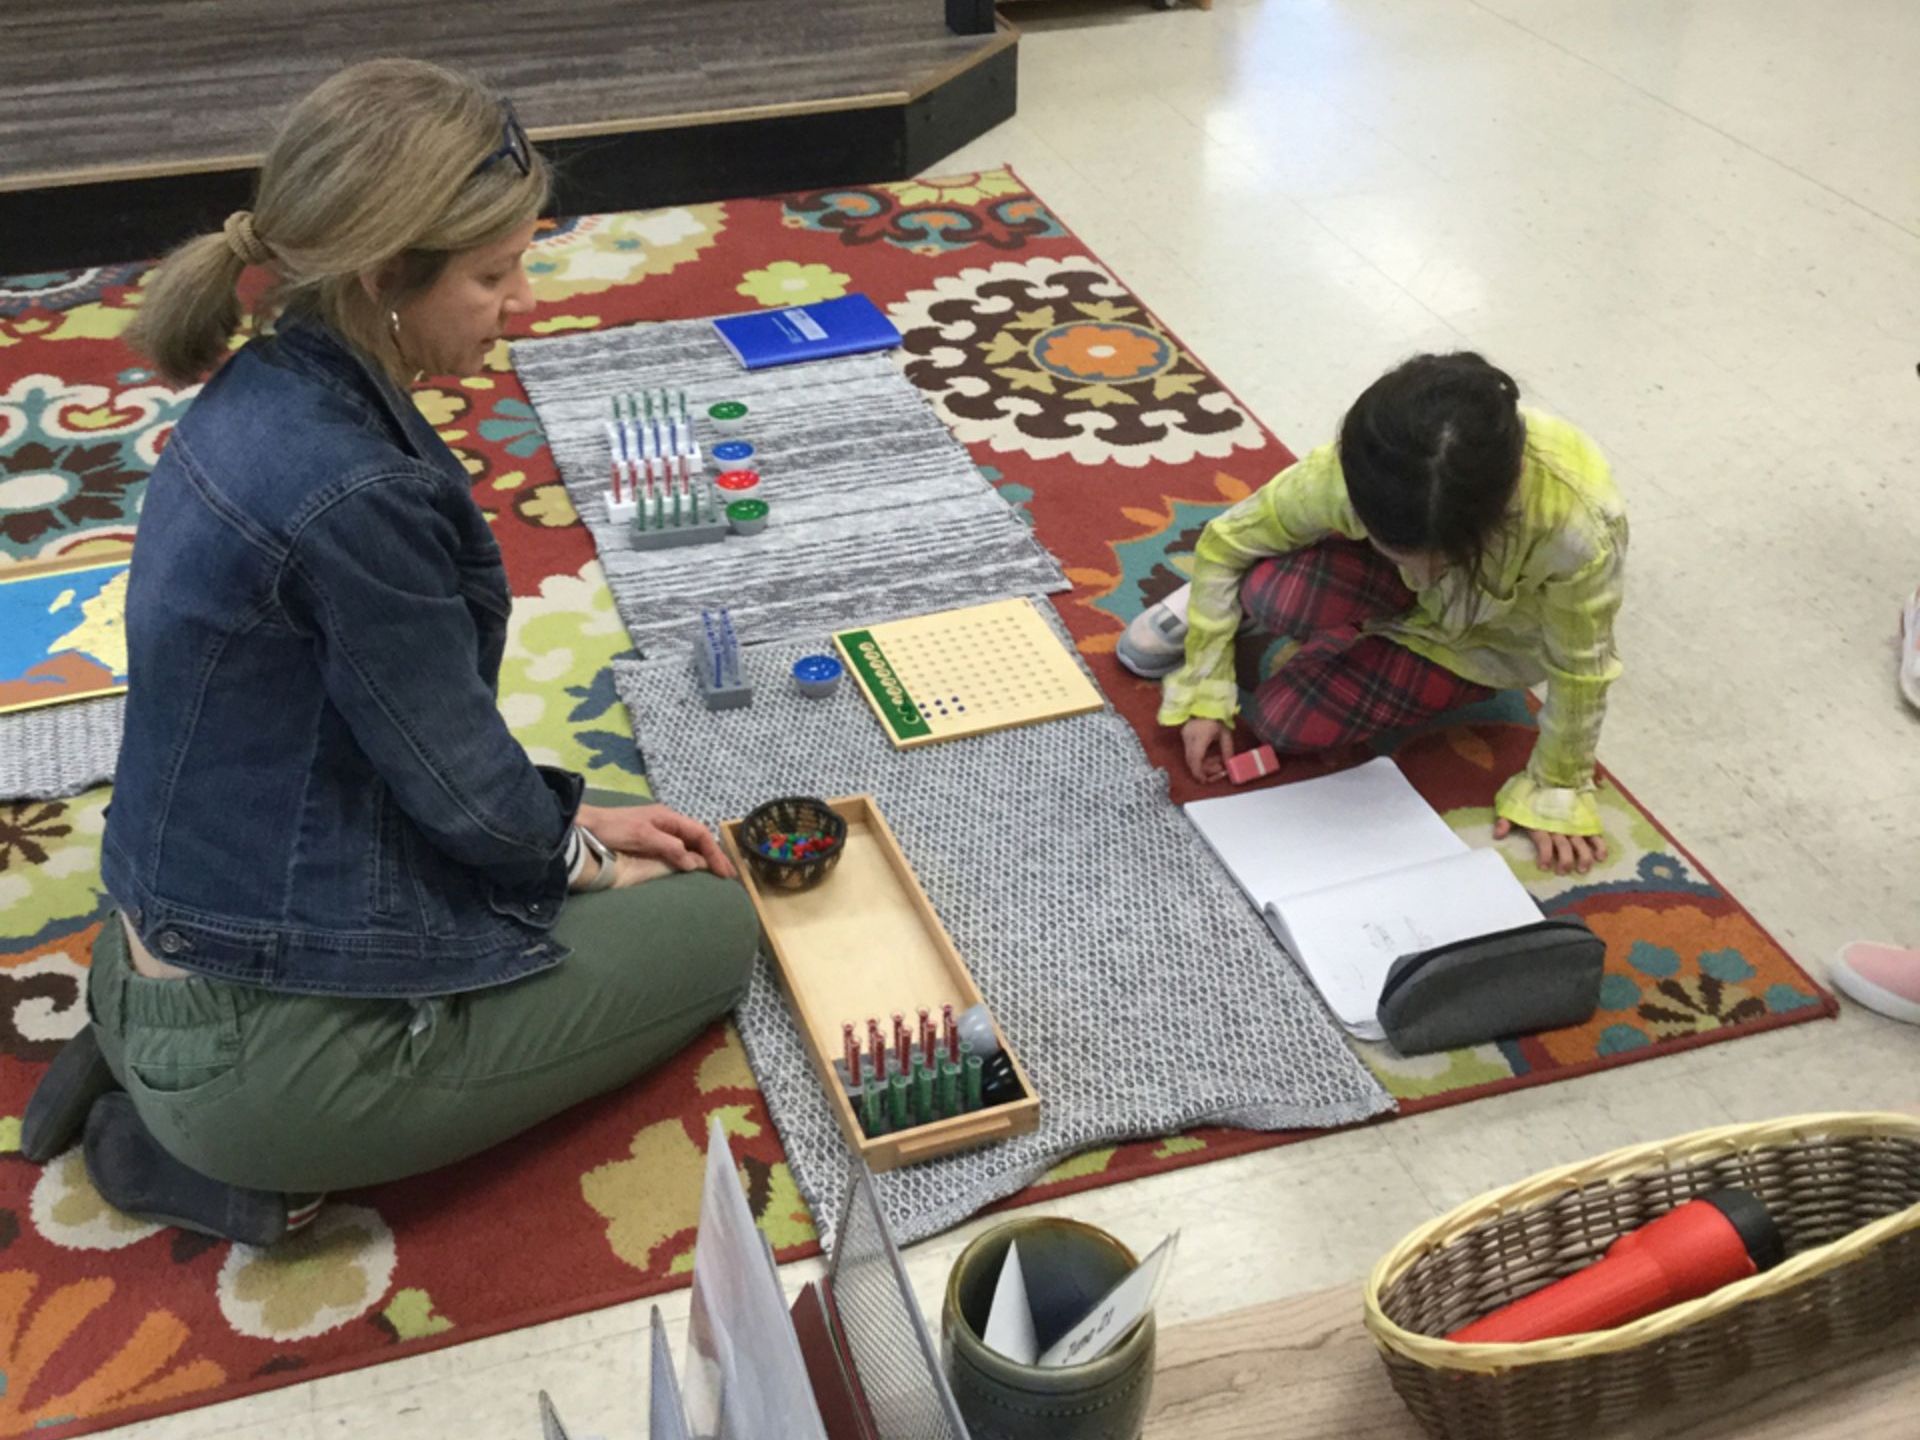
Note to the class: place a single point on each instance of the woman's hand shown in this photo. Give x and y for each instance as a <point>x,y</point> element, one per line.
<point>1562,854</point>
<point>1209,745</point>
<point>627,870</point>
<point>655,833</point>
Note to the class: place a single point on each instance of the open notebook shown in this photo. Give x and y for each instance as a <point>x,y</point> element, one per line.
<point>1354,870</point>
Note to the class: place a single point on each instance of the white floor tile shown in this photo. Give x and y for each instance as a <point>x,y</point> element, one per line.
<point>253,1418</point>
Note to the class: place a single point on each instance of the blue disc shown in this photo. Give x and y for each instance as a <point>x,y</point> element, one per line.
<point>814,668</point>
<point>732,452</point>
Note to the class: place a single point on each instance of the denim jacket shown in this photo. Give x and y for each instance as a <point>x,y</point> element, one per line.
<point>316,791</point>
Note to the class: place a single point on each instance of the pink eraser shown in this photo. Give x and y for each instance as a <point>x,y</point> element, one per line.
<point>1252,764</point>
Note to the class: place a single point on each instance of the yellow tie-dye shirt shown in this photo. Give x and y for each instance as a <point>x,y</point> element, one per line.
<point>1541,609</point>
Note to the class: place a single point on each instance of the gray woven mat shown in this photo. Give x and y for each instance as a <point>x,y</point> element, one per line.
<point>1140,991</point>
<point>60,750</point>
<point>876,511</point>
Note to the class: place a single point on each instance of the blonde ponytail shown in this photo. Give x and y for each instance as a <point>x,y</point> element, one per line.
<point>190,309</point>
<point>384,162</point>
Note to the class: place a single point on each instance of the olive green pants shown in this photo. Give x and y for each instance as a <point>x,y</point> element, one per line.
<point>301,1093</point>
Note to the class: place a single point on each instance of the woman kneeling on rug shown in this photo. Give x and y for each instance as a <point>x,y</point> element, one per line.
<point>351,943</point>
<point>1449,545</point>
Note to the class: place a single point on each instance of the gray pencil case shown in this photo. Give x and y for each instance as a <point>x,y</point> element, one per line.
<point>1512,982</point>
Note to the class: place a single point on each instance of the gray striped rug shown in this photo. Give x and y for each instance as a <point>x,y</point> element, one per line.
<point>876,511</point>
<point>1141,991</point>
<point>60,750</point>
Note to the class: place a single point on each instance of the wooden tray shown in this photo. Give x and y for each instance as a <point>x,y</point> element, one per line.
<point>865,942</point>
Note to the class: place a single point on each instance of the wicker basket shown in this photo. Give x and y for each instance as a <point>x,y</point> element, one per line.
<point>791,813</point>
<point>1844,1190</point>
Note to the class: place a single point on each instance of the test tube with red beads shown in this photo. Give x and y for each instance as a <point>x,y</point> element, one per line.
<point>900,1055</point>
<point>952,1032</point>
<point>926,1038</point>
<point>878,1048</point>
<point>850,1048</point>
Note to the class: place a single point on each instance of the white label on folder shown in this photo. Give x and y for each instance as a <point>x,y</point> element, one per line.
<point>1010,1322</point>
<point>799,326</point>
<point>1113,1317</point>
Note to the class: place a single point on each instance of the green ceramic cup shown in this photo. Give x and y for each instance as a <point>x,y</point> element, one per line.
<point>1067,1266</point>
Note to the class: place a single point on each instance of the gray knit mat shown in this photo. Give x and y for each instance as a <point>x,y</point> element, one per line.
<point>60,750</point>
<point>1139,990</point>
<point>875,510</point>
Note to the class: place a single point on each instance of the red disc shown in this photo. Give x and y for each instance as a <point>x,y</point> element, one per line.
<point>738,480</point>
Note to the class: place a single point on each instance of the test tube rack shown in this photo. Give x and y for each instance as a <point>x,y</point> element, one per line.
<point>659,484</point>
<point>929,1073</point>
<point>716,663</point>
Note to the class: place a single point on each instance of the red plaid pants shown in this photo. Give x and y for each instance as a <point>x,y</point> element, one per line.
<point>1340,687</point>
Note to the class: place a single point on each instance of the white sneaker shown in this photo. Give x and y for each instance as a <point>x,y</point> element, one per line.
<point>1910,650</point>
<point>1155,644</point>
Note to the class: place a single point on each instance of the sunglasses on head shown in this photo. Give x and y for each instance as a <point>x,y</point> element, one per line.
<point>514,145</point>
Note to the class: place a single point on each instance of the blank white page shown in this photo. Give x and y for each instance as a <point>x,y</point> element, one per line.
<point>745,1377</point>
<point>1287,840</point>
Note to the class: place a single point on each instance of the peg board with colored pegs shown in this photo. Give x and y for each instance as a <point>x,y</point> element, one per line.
<point>965,672</point>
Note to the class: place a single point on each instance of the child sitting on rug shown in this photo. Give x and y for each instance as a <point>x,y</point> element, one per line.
<point>1448,545</point>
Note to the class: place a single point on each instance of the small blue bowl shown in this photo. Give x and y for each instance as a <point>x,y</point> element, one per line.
<point>818,676</point>
<point>733,452</point>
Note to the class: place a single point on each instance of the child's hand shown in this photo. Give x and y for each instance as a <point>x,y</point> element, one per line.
<point>1562,854</point>
<point>1209,745</point>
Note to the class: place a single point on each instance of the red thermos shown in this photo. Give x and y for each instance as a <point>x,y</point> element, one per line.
<point>1692,1250</point>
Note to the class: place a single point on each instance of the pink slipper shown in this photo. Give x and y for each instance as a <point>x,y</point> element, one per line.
<point>1884,978</point>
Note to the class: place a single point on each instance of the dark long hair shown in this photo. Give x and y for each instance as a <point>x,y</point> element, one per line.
<point>1431,452</point>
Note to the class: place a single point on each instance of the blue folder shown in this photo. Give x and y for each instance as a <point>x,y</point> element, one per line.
<point>851,325</point>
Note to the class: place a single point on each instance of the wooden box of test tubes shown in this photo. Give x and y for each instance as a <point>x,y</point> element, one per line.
<point>863,943</point>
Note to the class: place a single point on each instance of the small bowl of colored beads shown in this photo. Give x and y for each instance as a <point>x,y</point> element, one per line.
<point>793,842</point>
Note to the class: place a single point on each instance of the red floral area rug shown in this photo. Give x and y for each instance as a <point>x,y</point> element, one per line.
<point>1089,416</point>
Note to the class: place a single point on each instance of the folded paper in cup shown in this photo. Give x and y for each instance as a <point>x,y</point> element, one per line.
<point>1010,1322</point>
<point>1110,1320</point>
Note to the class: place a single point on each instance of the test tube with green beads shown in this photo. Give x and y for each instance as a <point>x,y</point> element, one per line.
<point>900,1090</point>
<point>976,1068</point>
<point>872,1117</point>
<point>949,1088</point>
<point>924,1112</point>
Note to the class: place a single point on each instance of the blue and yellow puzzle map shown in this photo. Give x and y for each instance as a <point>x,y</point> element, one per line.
<point>62,634</point>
